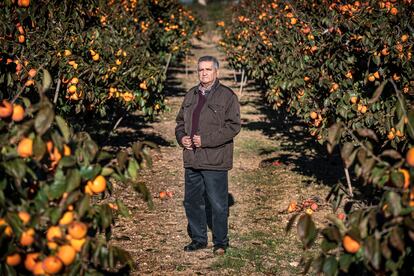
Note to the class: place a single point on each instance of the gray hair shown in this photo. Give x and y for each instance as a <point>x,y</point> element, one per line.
<point>209,58</point>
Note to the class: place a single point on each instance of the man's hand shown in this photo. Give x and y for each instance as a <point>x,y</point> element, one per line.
<point>197,141</point>
<point>186,141</point>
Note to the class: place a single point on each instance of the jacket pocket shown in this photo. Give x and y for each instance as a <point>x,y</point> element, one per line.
<point>214,156</point>
<point>218,113</point>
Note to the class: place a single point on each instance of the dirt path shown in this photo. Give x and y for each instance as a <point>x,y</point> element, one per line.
<point>273,165</point>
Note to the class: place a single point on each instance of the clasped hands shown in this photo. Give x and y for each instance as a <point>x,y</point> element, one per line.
<point>188,143</point>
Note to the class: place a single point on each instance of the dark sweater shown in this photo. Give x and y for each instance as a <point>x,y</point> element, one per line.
<point>196,114</point>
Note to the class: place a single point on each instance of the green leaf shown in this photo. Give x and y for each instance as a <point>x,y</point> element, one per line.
<point>73,180</point>
<point>84,205</point>
<point>123,210</point>
<point>410,124</point>
<point>330,266</point>
<point>47,81</point>
<point>396,239</point>
<point>366,132</point>
<point>394,203</point>
<point>334,133</point>
<point>133,168</point>
<point>122,158</point>
<point>44,119</point>
<point>63,127</point>
<point>106,171</point>
<point>58,187</point>
<point>15,168</point>
<point>39,148</point>
<point>67,161</point>
<point>345,261</point>
<point>378,92</point>
<point>105,216</point>
<point>306,230</point>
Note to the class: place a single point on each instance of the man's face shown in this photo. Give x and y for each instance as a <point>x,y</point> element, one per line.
<point>207,74</point>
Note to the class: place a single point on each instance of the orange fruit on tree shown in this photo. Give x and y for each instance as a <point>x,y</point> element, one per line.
<point>52,245</point>
<point>72,89</point>
<point>77,230</point>
<point>23,3</point>
<point>21,38</point>
<point>6,109</point>
<point>25,147</point>
<point>371,78</point>
<point>66,253</point>
<point>354,99</point>
<point>98,185</point>
<point>31,261</point>
<point>52,264</point>
<point>95,57</point>
<point>394,11</point>
<point>38,269</point>
<point>13,259</point>
<point>66,218</point>
<point>27,237</point>
<point>351,246</point>
<point>406,175</point>
<point>313,115</point>
<point>18,113</point>
<point>32,73</point>
<point>376,75</point>
<point>53,232</point>
<point>66,150</point>
<point>410,157</point>
<point>24,216</point>
<point>77,244</point>
<point>404,38</point>
<point>88,190</point>
<point>29,83</point>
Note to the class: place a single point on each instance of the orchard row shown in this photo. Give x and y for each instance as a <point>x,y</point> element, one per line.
<point>346,69</point>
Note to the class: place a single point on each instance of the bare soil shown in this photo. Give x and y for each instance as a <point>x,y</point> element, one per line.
<point>275,162</point>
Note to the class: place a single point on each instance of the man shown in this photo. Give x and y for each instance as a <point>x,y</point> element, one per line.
<point>207,122</point>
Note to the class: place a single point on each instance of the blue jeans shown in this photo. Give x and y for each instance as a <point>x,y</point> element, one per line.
<point>202,185</point>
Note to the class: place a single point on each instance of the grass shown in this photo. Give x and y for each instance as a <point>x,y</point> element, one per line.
<point>260,253</point>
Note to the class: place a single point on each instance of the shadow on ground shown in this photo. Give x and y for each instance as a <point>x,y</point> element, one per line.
<point>297,147</point>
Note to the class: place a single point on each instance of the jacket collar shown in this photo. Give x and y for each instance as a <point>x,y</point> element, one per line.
<point>213,88</point>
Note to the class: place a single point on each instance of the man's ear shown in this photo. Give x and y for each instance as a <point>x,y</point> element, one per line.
<point>218,72</point>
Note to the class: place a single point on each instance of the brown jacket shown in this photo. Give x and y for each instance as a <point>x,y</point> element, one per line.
<point>219,124</point>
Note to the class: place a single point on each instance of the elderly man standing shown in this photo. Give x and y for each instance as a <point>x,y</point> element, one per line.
<point>207,122</point>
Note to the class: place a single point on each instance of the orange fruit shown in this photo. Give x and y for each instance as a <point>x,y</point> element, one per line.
<point>77,230</point>
<point>404,38</point>
<point>341,216</point>
<point>27,237</point>
<point>8,230</point>
<point>13,259</point>
<point>6,109</point>
<point>66,254</point>
<point>292,207</point>
<point>394,11</point>
<point>143,85</point>
<point>18,113</point>
<point>391,135</point>
<point>30,261</point>
<point>67,53</point>
<point>354,99</point>
<point>23,3</point>
<point>66,150</point>
<point>52,245</point>
<point>74,80</point>
<point>52,264</point>
<point>98,184</point>
<point>38,269</point>
<point>21,38</point>
<point>77,244</point>
<point>371,78</point>
<point>95,57</point>
<point>66,218</point>
<point>53,232</point>
<point>88,190</point>
<point>25,147</point>
<point>406,175</point>
<point>364,109</point>
<point>376,75</point>
<point>313,115</point>
<point>163,194</point>
<point>32,73</point>
<point>410,157</point>
<point>72,89</point>
<point>29,83</point>
<point>24,216</point>
<point>350,245</point>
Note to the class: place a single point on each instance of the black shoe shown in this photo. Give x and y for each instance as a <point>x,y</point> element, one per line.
<point>219,249</point>
<point>194,245</point>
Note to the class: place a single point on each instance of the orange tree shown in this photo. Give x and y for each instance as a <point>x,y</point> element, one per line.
<point>103,56</point>
<point>55,217</point>
<point>346,69</point>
